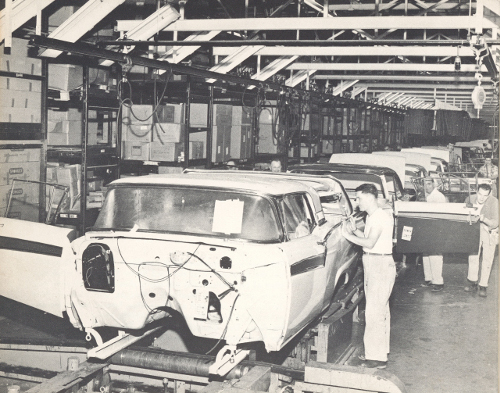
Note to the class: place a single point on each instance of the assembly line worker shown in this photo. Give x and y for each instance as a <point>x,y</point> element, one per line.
<point>491,172</point>
<point>433,264</point>
<point>275,165</point>
<point>487,209</point>
<point>380,273</point>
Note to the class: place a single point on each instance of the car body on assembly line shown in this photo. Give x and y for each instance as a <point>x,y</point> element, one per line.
<point>242,260</point>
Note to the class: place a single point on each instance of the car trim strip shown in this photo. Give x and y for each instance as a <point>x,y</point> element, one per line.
<point>10,243</point>
<point>307,264</point>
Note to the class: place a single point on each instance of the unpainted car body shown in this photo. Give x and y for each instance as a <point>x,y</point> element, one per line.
<point>242,261</point>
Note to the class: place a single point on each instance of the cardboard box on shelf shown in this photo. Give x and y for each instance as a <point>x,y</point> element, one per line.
<point>22,211</point>
<point>72,114</point>
<point>21,192</point>
<point>19,170</point>
<point>137,114</point>
<point>135,150</point>
<point>197,150</point>
<point>95,199</point>
<point>170,113</point>
<point>304,151</point>
<point>327,147</point>
<point>20,99</point>
<point>20,84</point>
<point>69,176</point>
<point>65,77</point>
<point>198,114</point>
<point>18,60</point>
<point>242,116</point>
<point>222,115</point>
<point>20,115</point>
<point>94,185</point>
<point>137,132</point>
<point>168,151</point>
<point>168,132</point>
<point>73,127</point>
<point>51,174</point>
<point>240,141</point>
<point>63,139</point>
<point>221,143</point>
<point>20,155</point>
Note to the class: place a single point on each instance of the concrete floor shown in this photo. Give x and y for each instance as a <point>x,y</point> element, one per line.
<point>444,341</point>
<point>440,342</point>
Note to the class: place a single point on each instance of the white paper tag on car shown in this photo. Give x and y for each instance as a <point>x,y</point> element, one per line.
<point>406,235</point>
<point>228,216</point>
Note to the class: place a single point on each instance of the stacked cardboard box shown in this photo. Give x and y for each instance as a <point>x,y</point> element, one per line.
<point>65,77</point>
<point>168,134</point>
<point>221,137</point>
<point>241,133</point>
<point>69,176</point>
<point>23,164</point>
<point>18,60</point>
<point>64,127</point>
<point>198,115</point>
<point>197,143</point>
<point>20,100</point>
<point>137,124</point>
<point>267,126</point>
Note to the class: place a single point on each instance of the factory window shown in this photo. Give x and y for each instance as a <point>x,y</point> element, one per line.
<point>298,216</point>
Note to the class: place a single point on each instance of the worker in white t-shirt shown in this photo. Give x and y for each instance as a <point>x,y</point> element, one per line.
<point>379,273</point>
<point>433,264</point>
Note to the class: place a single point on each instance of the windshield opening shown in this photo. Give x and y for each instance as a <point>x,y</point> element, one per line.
<point>189,210</point>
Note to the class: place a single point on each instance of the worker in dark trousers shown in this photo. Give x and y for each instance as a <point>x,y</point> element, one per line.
<point>487,210</point>
<point>379,273</point>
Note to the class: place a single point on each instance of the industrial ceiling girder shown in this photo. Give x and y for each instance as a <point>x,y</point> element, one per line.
<point>353,6</point>
<point>423,86</point>
<point>149,27</point>
<point>346,51</point>
<point>414,78</point>
<point>307,43</point>
<point>91,51</point>
<point>20,13</point>
<point>338,23</point>
<point>416,67</point>
<point>82,21</point>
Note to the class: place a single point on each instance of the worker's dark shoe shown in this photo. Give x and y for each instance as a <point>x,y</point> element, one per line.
<point>437,287</point>
<point>482,291</point>
<point>426,284</point>
<point>374,364</point>
<point>471,286</point>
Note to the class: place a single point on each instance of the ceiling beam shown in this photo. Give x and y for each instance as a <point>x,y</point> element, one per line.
<point>411,7</point>
<point>384,67</point>
<point>407,51</point>
<point>423,86</point>
<point>416,78</point>
<point>21,12</point>
<point>81,22</point>
<point>338,23</point>
<point>149,27</point>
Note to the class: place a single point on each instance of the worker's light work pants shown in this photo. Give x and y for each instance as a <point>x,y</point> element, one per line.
<point>487,244</point>
<point>433,268</point>
<point>380,274</point>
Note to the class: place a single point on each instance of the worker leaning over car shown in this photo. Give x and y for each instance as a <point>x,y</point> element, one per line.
<point>487,209</point>
<point>379,273</point>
